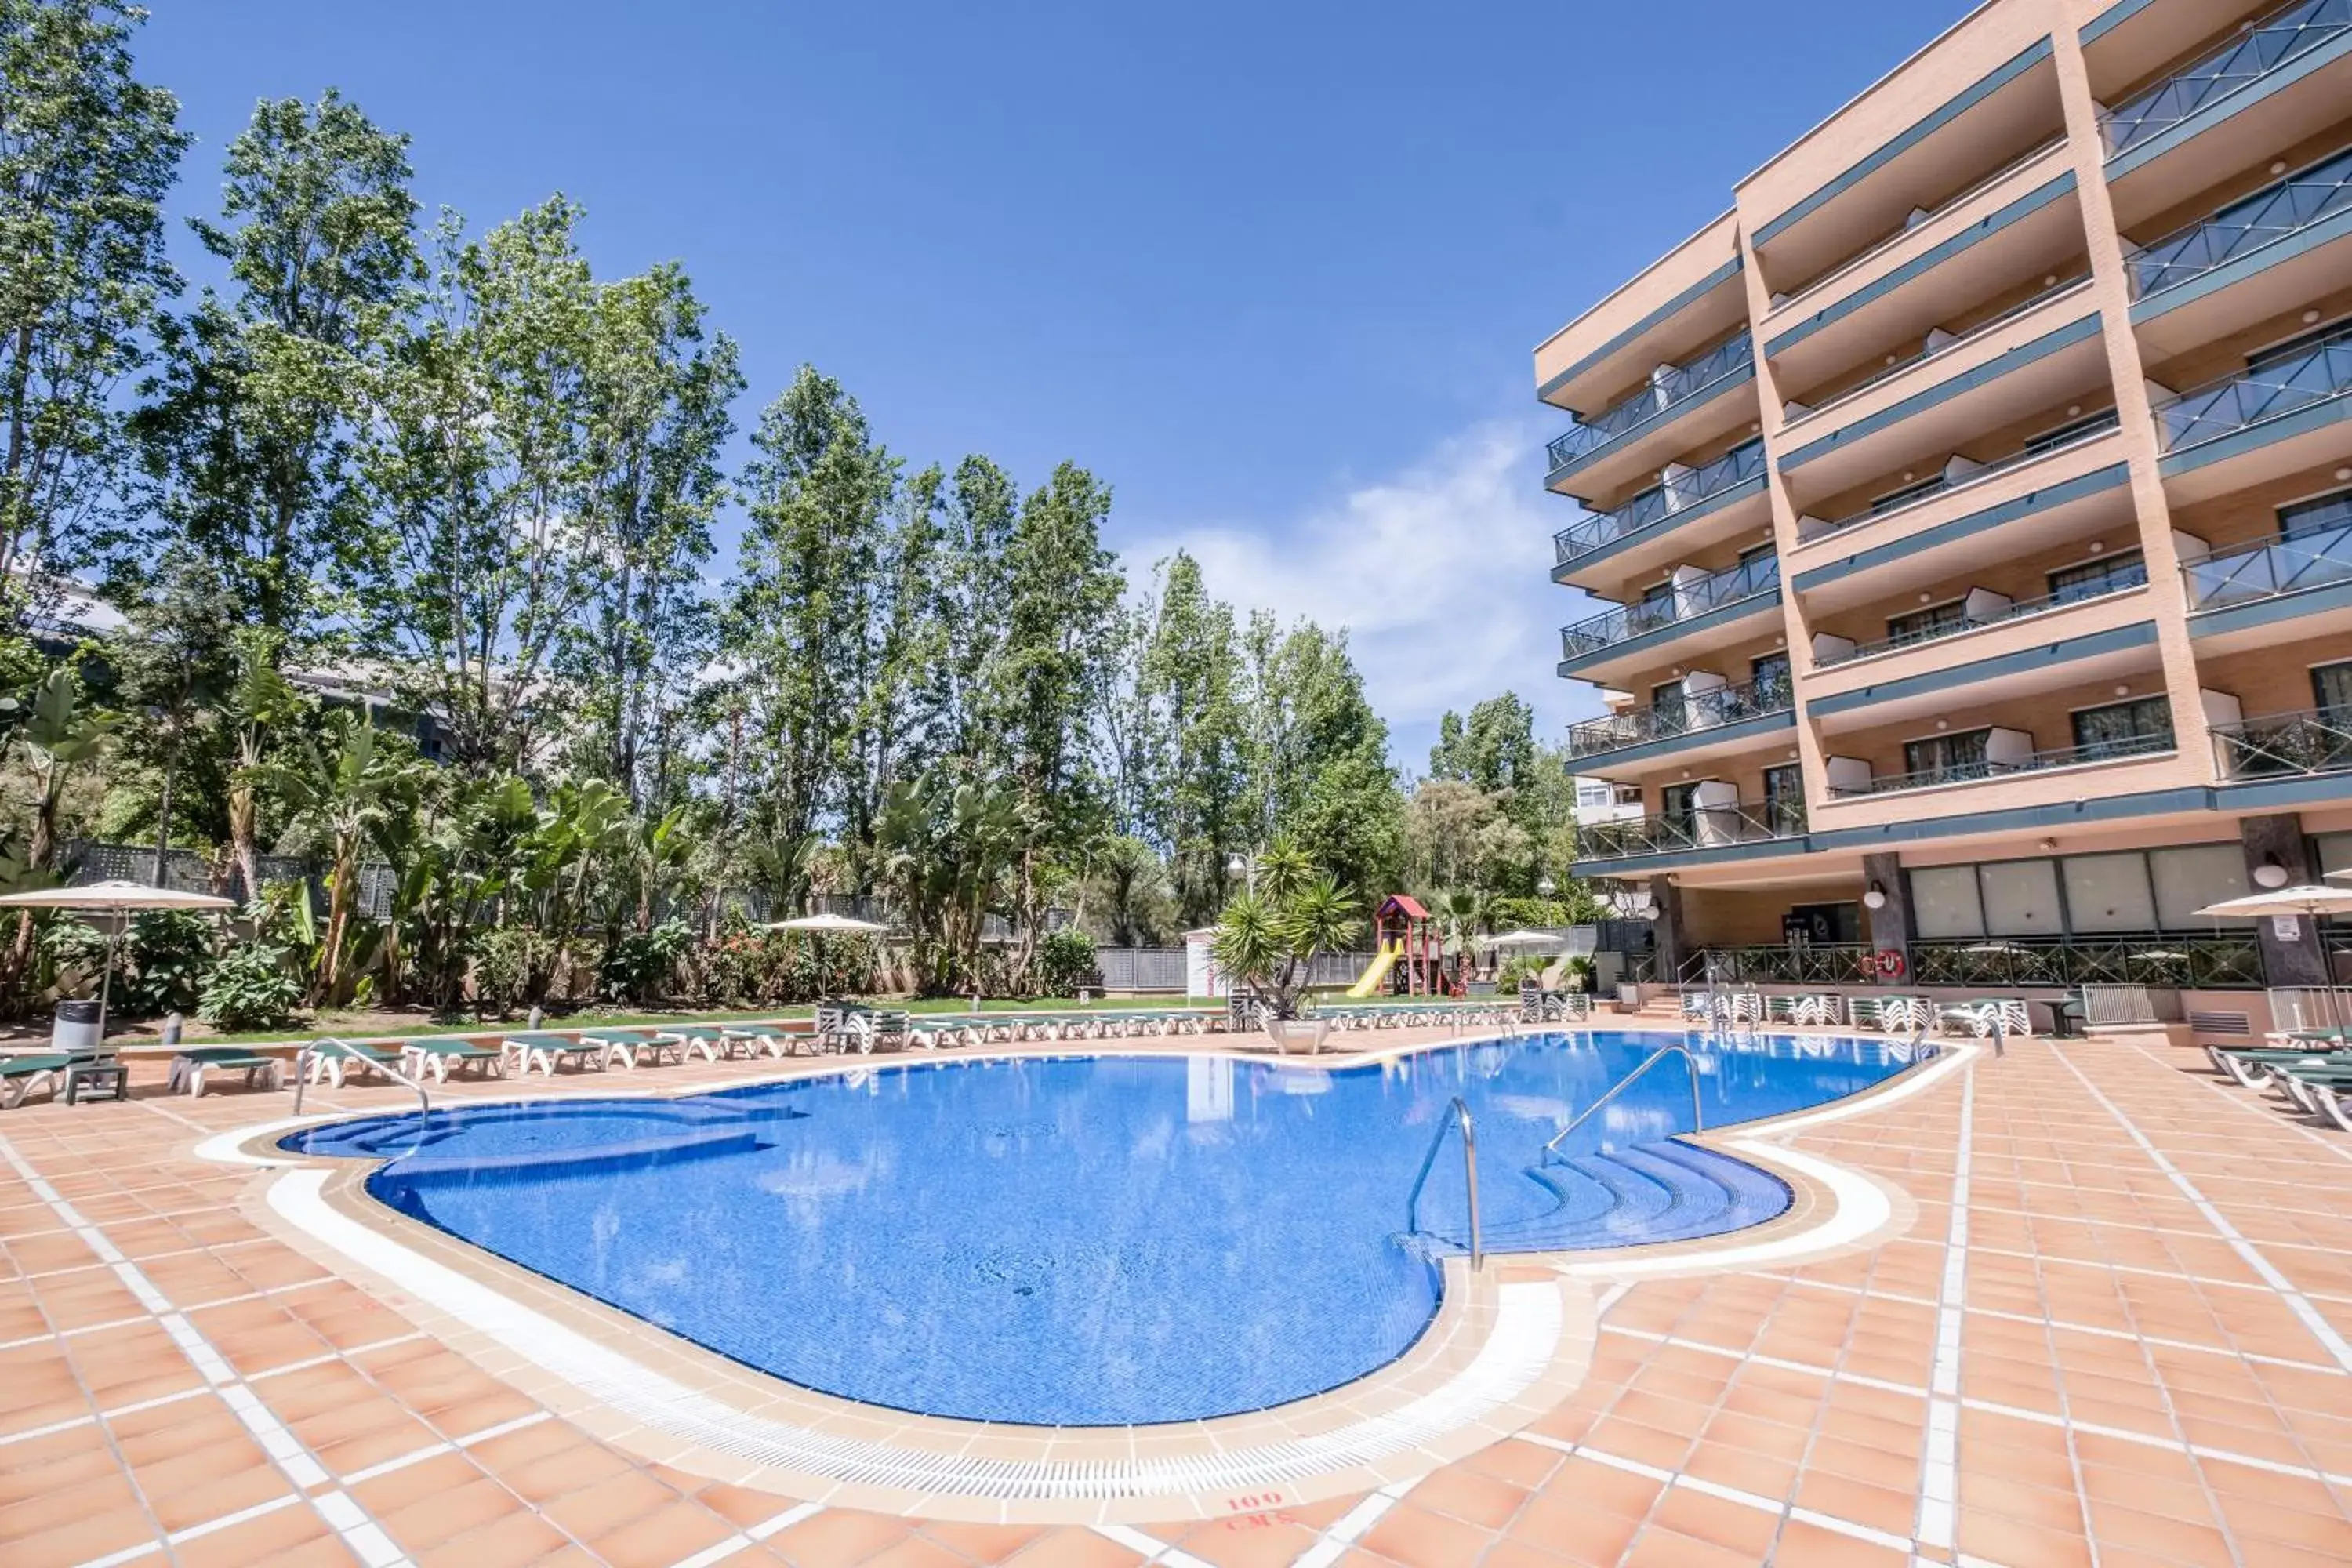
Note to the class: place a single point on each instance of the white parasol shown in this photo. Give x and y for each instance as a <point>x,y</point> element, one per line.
<point>120,899</point>
<point>829,925</point>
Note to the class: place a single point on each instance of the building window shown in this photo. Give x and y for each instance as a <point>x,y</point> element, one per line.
<point>2073,429</point>
<point>1769,678</point>
<point>1784,798</point>
<point>2123,729</point>
<point>1941,757</point>
<point>2124,569</point>
<point>2331,689</point>
<point>1678,806</point>
<point>1907,494</point>
<point>2315,516</point>
<point>1918,626</point>
<point>1666,707</point>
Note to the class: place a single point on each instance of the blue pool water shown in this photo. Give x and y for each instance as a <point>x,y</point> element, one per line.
<point>1089,1240</point>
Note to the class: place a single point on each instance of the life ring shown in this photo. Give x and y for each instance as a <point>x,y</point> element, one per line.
<point>1890,963</point>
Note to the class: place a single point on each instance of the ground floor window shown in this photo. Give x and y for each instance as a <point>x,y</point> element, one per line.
<point>2082,895</point>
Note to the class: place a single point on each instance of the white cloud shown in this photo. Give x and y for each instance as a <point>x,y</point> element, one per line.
<point>1441,574</point>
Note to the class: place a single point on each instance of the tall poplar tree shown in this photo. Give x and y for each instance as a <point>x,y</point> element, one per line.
<point>88,153</point>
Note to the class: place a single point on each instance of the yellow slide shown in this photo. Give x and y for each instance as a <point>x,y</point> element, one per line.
<point>1376,972</point>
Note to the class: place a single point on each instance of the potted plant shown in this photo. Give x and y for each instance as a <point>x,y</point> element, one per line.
<point>1268,937</point>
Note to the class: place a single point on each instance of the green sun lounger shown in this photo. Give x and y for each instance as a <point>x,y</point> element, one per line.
<point>191,1068</point>
<point>332,1058</point>
<point>712,1043</point>
<point>543,1051</point>
<point>442,1057</point>
<point>629,1046</point>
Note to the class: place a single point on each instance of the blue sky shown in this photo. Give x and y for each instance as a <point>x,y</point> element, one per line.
<point>1274,270</point>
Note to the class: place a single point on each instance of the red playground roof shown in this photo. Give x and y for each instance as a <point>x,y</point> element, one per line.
<point>1398,903</point>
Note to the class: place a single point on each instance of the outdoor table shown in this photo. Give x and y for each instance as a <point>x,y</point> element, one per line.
<point>110,1074</point>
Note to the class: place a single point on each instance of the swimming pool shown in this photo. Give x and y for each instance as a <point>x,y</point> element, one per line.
<point>1089,1240</point>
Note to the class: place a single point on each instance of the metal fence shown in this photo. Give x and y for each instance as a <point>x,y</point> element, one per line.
<point>1162,968</point>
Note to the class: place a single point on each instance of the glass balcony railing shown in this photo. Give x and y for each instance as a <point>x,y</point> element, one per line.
<point>2315,375</point>
<point>1680,603</point>
<point>2282,745</point>
<point>2311,559</point>
<point>2270,214</point>
<point>2089,429</point>
<point>1737,467</point>
<point>2111,748</point>
<point>2246,57</point>
<point>1678,385</point>
<point>2122,578</point>
<point>1923,353</point>
<point>1699,711</point>
<point>1700,827</point>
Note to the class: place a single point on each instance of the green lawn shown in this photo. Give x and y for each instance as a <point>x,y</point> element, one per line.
<point>376,1025</point>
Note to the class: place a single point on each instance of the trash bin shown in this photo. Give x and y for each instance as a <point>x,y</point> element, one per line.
<point>75,1028</point>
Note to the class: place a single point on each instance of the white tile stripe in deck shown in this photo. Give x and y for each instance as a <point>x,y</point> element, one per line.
<point>1939,1458</point>
<point>1521,1346</point>
<point>294,1459</point>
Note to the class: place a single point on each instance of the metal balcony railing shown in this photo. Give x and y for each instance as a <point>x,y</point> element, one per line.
<point>2123,578</point>
<point>2310,558</point>
<point>1700,827</point>
<point>2319,374</point>
<point>2145,744</point>
<point>1684,601</point>
<point>2245,58</point>
<point>2190,959</point>
<point>1699,711</point>
<point>1737,467</point>
<point>2280,745</point>
<point>2092,429</point>
<point>2244,226</point>
<point>1678,385</point>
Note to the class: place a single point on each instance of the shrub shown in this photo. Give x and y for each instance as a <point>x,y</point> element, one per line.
<point>159,968</point>
<point>248,988</point>
<point>1065,960</point>
<point>639,966</point>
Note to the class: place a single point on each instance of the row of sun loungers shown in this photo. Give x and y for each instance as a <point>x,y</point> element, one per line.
<point>1420,1011</point>
<point>1893,1014</point>
<point>2311,1069</point>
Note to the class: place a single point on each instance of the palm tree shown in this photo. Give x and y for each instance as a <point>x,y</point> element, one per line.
<point>1269,936</point>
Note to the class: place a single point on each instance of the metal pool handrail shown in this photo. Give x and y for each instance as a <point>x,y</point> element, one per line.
<point>310,1052</point>
<point>1457,1115</point>
<point>1690,1063</point>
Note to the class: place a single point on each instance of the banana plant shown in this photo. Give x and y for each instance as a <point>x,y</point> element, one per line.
<point>344,791</point>
<point>261,700</point>
<point>60,734</point>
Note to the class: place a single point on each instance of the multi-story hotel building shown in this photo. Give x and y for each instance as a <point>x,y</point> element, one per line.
<point>1973,506</point>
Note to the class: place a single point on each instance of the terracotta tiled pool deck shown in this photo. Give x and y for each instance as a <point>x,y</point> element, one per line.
<point>2112,1330</point>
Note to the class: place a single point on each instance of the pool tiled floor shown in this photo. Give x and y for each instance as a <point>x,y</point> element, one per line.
<point>2114,1333</point>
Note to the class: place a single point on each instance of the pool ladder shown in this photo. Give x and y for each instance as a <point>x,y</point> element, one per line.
<point>1690,1063</point>
<point>1456,1115</point>
<point>309,1053</point>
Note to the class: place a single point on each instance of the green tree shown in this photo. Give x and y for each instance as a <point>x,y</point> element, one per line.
<point>174,667</point>
<point>656,417</point>
<point>798,611</point>
<point>476,469</point>
<point>1319,773</point>
<point>250,435</point>
<point>342,784</point>
<point>62,733</point>
<point>1191,676</point>
<point>86,155</point>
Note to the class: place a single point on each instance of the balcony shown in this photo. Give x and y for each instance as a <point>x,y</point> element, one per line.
<point>1903,364</point>
<point>1610,446</point>
<point>2273,419</point>
<point>2043,356</point>
<point>1626,634</point>
<point>2264,89</point>
<point>1709,489</point>
<point>1699,717</point>
<point>2237,597</point>
<point>1955,475</point>
<point>2217,277</point>
<point>2285,745</point>
<point>2148,743</point>
<point>1696,831</point>
<point>2121,580</point>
